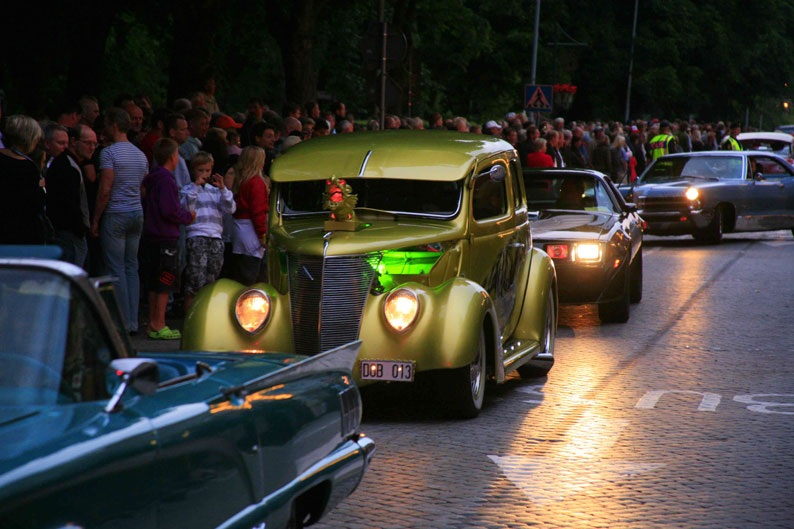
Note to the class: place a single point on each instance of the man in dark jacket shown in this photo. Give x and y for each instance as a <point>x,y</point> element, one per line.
<point>67,204</point>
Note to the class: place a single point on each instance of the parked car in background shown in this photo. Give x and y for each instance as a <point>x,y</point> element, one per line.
<point>780,143</point>
<point>593,235</point>
<point>788,129</point>
<point>94,436</point>
<point>709,193</point>
<point>427,260</point>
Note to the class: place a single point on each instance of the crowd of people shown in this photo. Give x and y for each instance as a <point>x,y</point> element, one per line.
<point>171,199</point>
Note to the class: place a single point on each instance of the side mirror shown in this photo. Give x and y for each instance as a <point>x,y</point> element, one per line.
<point>141,374</point>
<point>631,207</point>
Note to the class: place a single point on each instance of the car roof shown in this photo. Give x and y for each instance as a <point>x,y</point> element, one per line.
<point>561,171</point>
<point>712,154</point>
<point>398,154</point>
<point>772,136</point>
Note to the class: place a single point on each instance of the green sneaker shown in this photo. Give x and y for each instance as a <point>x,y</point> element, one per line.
<point>165,334</point>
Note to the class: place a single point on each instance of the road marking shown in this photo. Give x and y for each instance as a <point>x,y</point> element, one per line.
<point>574,466</point>
<point>544,480</point>
<point>708,402</point>
<point>762,406</point>
<point>545,397</point>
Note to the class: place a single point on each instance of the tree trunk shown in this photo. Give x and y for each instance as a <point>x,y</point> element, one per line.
<point>293,27</point>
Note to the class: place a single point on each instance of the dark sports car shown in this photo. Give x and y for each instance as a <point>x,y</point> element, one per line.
<point>709,193</point>
<point>593,235</point>
<point>93,436</point>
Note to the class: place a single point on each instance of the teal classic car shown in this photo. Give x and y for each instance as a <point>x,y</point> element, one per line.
<point>94,436</point>
<point>418,243</point>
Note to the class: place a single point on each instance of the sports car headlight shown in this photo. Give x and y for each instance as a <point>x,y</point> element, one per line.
<point>588,252</point>
<point>252,310</point>
<point>401,308</point>
<point>692,193</point>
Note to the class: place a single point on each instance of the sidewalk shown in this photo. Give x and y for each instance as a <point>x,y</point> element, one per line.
<point>142,343</point>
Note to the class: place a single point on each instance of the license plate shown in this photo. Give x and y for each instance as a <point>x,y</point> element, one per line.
<point>386,370</point>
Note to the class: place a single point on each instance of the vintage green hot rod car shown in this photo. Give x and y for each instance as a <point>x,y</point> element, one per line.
<point>428,259</point>
<point>94,436</point>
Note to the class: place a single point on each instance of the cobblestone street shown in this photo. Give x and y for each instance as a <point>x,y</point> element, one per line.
<point>664,421</point>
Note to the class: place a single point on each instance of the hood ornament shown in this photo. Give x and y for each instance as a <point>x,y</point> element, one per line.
<point>341,202</point>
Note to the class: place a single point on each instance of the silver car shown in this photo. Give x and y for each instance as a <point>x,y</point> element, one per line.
<point>706,194</point>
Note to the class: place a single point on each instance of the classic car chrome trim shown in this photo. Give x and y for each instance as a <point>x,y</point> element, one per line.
<point>341,358</point>
<point>364,164</point>
<point>326,311</point>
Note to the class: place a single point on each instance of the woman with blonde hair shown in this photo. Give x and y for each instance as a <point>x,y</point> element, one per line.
<point>22,218</point>
<point>620,154</point>
<point>251,195</point>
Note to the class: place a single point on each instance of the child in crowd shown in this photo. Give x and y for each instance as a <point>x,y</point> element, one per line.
<point>209,198</point>
<point>162,217</point>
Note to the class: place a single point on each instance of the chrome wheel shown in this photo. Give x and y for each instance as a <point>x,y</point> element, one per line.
<point>477,371</point>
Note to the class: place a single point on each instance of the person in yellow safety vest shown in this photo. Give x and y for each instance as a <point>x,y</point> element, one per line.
<point>730,143</point>
<point>663,143</point>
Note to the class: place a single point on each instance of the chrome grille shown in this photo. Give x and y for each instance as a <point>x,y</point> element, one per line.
<point>651,204</point>
<point>327,297</point>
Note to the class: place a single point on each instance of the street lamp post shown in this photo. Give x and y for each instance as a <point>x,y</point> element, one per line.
<point>631,61</point>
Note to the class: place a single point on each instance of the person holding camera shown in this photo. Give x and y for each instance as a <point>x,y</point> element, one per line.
<point>210,199</point>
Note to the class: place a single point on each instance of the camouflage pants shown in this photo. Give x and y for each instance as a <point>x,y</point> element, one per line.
<point>204,262</point>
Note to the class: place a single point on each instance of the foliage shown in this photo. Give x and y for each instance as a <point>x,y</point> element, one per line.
<point>709,59</point>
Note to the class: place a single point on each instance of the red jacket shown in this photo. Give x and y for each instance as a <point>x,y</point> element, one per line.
<point>539,159</point>
<point>252,203</point>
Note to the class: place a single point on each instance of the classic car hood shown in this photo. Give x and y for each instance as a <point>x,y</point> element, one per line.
<point>566,225</point>
<point>306,236</point>
<point>672,189</point>
<point>31,429</point>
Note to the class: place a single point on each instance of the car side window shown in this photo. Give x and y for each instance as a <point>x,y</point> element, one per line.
<point>771,169</point>
<point>603,200</point>
<point>88,353</point>
<point>490,197</point>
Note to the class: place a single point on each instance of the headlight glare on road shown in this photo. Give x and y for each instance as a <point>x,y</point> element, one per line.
<point>692,193</point>
<point>401,308</point>
<point>588,252</point>
<point>252,310</point>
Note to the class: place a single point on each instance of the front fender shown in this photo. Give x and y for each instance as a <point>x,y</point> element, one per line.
<point>540,285</point>
<point>210,324</point>
<point>445,335</point>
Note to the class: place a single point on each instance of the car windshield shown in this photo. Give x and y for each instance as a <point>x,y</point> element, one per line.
<point>693,167</point>
<point>34,313</point>
<point>778,147</point>
<point>411,197</point>
<point>573,191</point>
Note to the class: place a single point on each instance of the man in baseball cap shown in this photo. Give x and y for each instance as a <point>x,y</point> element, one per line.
<point>492,128</point>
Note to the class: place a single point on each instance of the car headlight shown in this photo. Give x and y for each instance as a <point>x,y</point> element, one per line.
<point>588,252</point>
<point>692,193</point>
<point>401,309</point>
<point>252,310</point>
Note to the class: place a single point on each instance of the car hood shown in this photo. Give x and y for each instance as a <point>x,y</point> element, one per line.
<point>566,225</point>
<point>672,188</point>
<point>26,431</point>
<point>306,236</point>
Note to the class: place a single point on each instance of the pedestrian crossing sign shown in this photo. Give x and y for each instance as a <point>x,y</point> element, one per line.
<point>537,97</point>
